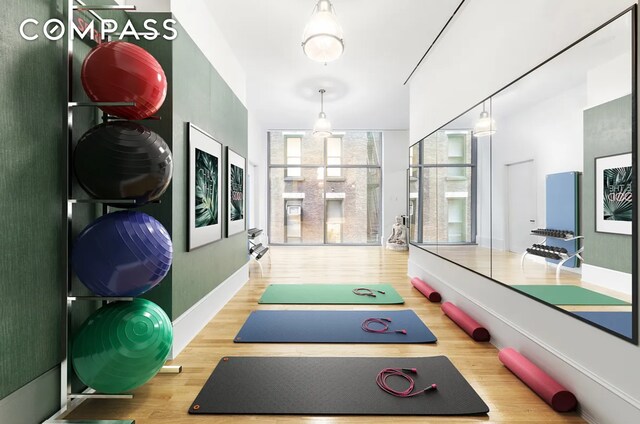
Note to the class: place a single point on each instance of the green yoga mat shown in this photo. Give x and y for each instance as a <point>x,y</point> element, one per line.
<point>329,294</point>
<point>568,295</point>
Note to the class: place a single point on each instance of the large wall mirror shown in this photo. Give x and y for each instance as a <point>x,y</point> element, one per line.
<point>535,186</point>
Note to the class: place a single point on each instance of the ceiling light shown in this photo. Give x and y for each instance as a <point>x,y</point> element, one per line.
<point>322,39</point>
<point>322,127</point>
<point>485,125</point>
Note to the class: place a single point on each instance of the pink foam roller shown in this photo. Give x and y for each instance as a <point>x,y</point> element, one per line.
<point>426,290</point>
<point>547,388</point>
<point>464,321</point>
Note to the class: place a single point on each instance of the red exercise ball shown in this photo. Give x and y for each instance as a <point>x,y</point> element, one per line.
<point>118,71</point>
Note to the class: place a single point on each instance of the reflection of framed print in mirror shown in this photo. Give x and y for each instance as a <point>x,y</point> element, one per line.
<point>205,166</point>
<point>614,195</point>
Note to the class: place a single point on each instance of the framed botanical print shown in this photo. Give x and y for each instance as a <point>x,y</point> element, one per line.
<point>205,187</point>
<point>236,189</point>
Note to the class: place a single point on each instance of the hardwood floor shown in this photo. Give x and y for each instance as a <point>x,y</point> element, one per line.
<point>167,397</point>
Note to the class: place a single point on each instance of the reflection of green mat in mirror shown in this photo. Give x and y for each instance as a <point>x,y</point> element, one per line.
<point>568,295</point>
<point>329,294</point>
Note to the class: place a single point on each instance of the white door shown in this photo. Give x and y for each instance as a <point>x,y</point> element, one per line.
<point>521,205</point>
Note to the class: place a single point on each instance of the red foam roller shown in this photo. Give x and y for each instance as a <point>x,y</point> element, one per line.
<point>426,290</point>
<point>547,388</point>
<point>464,321</point>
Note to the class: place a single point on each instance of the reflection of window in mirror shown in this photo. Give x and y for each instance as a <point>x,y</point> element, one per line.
<point>456,154</point>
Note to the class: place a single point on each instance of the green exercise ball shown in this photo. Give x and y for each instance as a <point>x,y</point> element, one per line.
<point>122,345</point>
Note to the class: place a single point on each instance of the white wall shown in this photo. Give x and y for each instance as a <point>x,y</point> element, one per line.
<point>258,156</point>
<point>609,81</point>
<point>554,144</point>
<point>148,5</point>
<point>197,20</point>
<point>488,44</point>
<point>395,157</point>
<point>506,39</point>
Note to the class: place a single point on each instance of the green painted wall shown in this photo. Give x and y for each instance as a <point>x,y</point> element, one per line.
<point>31,197</point>
<point>162,50</point>
<point>607,131</point>
<point>32,190</point>
<point>199,95</point>
<point>202,97</point>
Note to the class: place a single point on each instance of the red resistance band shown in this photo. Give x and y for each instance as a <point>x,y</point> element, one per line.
<point>381,321</point>
<point>381,379</point>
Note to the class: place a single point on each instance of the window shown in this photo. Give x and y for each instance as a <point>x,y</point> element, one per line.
<point>443,185</point>
<point>334,156</point>
<point>293,217</point>
<point>294,155</point>
<point>334,214</point>
<point>330,195</point>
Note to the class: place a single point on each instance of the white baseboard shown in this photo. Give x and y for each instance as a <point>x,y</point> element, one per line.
<point>189,324</point>
<point>490,243</point>
<point>601,400</point>
<point>607,278</point>
<point>483,241</point>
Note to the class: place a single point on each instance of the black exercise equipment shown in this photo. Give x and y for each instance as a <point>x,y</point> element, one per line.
<point>334,386</point>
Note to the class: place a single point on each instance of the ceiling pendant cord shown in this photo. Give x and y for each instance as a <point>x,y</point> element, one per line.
<point>364,291</point>
<point>383,375</point>
<point>384,322</point>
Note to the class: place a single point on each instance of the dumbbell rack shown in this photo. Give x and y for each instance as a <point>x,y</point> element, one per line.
<point>553,252</point>
<point>256,249</point>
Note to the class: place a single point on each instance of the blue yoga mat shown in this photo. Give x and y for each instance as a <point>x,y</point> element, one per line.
<point>620,322</point>
<point>331,327</point>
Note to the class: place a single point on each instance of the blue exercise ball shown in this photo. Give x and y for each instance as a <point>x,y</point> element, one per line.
<point>124,253</point>
<point>123,160</point>
<point>122,345</point>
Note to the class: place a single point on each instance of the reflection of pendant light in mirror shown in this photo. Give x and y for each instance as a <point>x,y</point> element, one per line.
<point>322,127</point>
<point>322,38</point>
<point>485,126</point>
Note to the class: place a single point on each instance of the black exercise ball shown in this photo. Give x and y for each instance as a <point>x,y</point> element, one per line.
<point>123,160</point>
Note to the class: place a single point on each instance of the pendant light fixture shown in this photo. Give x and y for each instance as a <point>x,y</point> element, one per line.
<point>322,127</point>
<point>485,125</point>
<point>322,38</point>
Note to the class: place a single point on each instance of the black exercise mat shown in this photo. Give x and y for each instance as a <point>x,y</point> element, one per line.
<point>333,386</point>
<point>331,327</point>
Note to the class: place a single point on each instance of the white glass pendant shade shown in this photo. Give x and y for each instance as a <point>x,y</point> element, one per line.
<point>322,39</point>
<point>485,126</point>
<point>322,127</point>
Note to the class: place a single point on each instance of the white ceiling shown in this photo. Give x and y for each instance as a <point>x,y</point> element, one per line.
<point>384,40</point>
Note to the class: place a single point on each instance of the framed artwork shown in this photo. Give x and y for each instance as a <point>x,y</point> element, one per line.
<point>614,194</point>
<point>236,197</point>
<point>205,188</point>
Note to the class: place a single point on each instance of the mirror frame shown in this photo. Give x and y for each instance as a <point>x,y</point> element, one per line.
<point>634,155</point>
